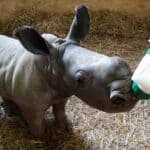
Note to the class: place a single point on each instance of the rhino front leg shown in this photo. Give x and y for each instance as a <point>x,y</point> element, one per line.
<point>60,116</point>
<point>36,122</point>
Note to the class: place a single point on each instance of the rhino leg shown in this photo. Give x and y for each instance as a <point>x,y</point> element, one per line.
<point>36,122</point>
<point>60,116</point>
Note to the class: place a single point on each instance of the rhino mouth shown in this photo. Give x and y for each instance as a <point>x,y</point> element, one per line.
<point>117,100</point>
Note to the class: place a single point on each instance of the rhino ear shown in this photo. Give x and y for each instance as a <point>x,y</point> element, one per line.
<point>80,25</point>
<point>31,40</point>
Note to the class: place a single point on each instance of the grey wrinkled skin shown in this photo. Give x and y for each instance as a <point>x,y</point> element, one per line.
<point>37,72</point>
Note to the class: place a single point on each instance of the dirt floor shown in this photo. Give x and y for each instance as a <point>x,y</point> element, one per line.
<point>119,28</point>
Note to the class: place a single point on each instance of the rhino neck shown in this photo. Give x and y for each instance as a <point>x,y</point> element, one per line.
<point>56,80</point>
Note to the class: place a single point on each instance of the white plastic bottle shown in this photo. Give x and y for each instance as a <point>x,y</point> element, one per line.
<point>141,75</point>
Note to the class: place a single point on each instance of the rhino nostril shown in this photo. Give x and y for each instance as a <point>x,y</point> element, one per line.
<point>117,100</point>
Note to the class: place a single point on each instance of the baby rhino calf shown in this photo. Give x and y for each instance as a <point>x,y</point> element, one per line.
<point>39,71</point>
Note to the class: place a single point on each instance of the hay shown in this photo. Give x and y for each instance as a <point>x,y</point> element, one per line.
<point>103,23</point>
<point>19,138</point>
<point>112,33</point>
<point>119,24</point>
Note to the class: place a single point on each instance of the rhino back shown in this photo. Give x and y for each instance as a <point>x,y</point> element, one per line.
<point>18,67</point>
<point>9,50</point>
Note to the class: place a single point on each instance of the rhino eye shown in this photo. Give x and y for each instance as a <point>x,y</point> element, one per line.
<point>82,78</point>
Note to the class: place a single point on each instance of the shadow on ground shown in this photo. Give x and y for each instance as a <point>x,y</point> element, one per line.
<point>14,136</point>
